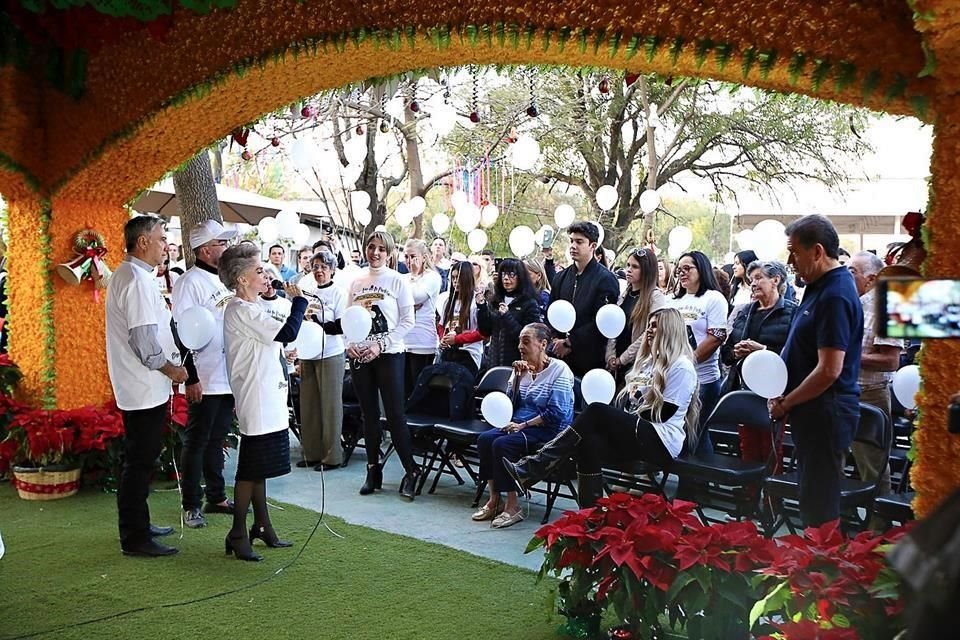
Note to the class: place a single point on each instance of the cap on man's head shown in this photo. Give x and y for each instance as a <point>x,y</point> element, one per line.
<point>209,230</point>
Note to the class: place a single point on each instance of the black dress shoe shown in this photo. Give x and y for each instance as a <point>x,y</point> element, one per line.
<point>327,467</point>
<point>211,507</point>
<point>269,537</point>
<point>158,532</point>
<point>150,549</point>
<point>303,464</point>
<point>240,548</point>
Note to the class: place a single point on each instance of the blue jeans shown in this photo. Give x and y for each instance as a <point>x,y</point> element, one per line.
<point>709,397</point>
<point>495,446</point>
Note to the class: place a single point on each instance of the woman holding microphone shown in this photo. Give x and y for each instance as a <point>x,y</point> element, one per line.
<point>253,342</point>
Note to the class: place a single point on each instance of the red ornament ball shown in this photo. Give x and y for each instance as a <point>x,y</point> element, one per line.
<point>415,106</point>
<point>604,86</point>
<point>246,155</point>
<point>474,117</point>
<point>359,130</point>
<point>532,111</point>
<point>275,142</point>
<point>308,111</point>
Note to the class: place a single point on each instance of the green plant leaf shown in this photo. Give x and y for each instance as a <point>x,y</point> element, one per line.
<point>700,52</point>
<point>845,74</point>
<point>651,44</point>
<point>723,52</point>
<point>773,601</point>
<point>821,69</point>
<point>870,83</point>
<point>897,88</point>
<point>767,60</point>
<point>675,50</point>
<point>797,62</point>
<point>749,59</point>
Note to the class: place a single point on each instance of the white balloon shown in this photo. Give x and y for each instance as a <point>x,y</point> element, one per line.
<point>496,409</point>
<point>561,315</point>
<point>522,241</point>
<point>746,239</point>
<point>443,118</point>
<point>673,252</point>
<point>355,150</point>
<point>288,220</point>
<point>309,342</point>
<point>765,373</point>
<point>611,320</point>
<point>600,232</point>
<point>598,386</point>
<point>360,199</point>
<point>770,239</point>
<point>525,153</point>
<point>538,236</point>
<point>770,230</point>
<point>417,205</point>
<point>564,216</point>
<point>681,238</point>
<point>268,230</point>
<point>362,216</point>
<point>403,216</point>
<point>302,155</point>
<point>301,234</point>
<point>380,227</point>
<point>477,240</point>
<point>458,199</point>
<point>649,201</point>
<point>607,197</point>
<point>906,386</point>
<point>195,326</point>
<point>467,217</point>
<point>489,215</point>
<point>356,323</point>
<point>440,223</point>
<point>728,257</point>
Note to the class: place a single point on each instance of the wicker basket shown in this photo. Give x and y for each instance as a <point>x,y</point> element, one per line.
<point>46,483</point>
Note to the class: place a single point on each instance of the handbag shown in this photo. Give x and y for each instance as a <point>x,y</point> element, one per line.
<point>733,381</point>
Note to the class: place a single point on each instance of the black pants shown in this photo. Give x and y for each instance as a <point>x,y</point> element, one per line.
<point>609,434</point>
<point>208,423</point>
<point>414,363</point>
<point>382,378</point>
<point>141,445</point>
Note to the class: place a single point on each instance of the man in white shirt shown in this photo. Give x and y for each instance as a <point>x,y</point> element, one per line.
<point>142,360</point>
<point>210,411</point>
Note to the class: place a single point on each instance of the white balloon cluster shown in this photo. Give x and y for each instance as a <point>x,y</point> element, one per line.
<point>767,239</point>
<point>285,227</point>
<point>524,153</point>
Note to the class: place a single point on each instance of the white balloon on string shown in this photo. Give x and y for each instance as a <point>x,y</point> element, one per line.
<point>674,252</point>
<point>442,119</point>
<point>746,239</point>
<point>359,199</point>
<point>458,199</point>
<point>561,315</point>
<point>356,323</point>
<point>496,409</point>
<point>309,341</point>
<point>440,223</point>
<point>489,215</point>
<point>477,240</point>
<point>538,236</point>
<point>301,234</point>
<point>770,239</point>
<point>564,216</point>
<point>287,221</point>
<point>362,216</point>
<point>598,386</point>
<point>607,197</point>
<point>681,238</point>
<point>522,241</point>
<point>403,215</point>
<point>355,150</point>
<point>649,201</point>
<point>417,205</point>
<point>268,230</point>
<point>611,320</point>
<point>524,153</point>
<point>467,217</point>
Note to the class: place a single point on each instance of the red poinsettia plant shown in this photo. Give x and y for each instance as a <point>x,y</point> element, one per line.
<point>826,585</point>
<point>657,565</point>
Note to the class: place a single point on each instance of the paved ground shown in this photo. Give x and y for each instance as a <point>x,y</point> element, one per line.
<point>443,517</point>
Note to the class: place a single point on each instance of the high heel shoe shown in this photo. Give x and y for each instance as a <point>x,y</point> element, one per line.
<point>408,486</point>
<point>268,536</point>
<point>374,480</point>
<point>230,546</point>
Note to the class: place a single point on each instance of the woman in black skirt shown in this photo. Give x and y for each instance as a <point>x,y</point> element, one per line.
<point>253,342</point>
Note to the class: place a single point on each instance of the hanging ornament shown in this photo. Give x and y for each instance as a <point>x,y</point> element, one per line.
<point>475,113</point>
<point>384,127</point>
<point>474,117</point>
<point>89,248</point>
<point>630,78</point>
<point>275,142</point>
<point>415,106</point>
<point>308,111</point>
<point>240,135</point>
<point>604,86</point>
<point>513,136</point>
<point>532,110</point>
<point>246,155</point>
<point>359,130</point>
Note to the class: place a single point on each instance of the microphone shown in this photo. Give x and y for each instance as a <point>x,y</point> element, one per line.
<point>277,284</point>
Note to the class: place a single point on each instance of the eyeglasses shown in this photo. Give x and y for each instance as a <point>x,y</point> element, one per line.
<point>509,274</point>
<point>687,268</point>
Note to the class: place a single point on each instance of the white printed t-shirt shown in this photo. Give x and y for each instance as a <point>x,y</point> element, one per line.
<point>423,338</point>
<point>680,387</point>
<point>386,296</point>
<point>133,300</point>
<point>198,287</point>
<point>701,313</point>
<point>253,364</point>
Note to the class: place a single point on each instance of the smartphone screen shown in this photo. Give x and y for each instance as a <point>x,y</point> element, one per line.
<point>918,308</point>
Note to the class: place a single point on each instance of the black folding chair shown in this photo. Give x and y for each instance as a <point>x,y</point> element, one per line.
<point>563,475</point>
<point>458,438</point>
<point>855,494</point>
<point>723,482</point>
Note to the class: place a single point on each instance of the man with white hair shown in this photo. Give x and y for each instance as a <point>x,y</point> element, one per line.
<point>880,357</point>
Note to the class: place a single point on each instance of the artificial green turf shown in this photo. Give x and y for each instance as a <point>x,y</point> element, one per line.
<point>63,566</point>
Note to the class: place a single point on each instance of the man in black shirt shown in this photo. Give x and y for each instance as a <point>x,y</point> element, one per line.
<point>587,285</point>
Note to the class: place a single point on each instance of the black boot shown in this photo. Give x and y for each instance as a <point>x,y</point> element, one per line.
<point>528,471</point>
<point>408,486</point>
<point>374,480</point>
<point>589,489</point>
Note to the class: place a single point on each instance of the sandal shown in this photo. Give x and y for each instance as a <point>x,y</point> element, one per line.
<point>505,520</point>
<point>486,512</point>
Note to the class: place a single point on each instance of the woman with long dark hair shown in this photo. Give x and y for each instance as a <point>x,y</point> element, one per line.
<point>659,415</point>
<point>512,307</point>
<point>704,309</point>
<point>740,282</point>
<point>461,340</point>
<point>640,296</point>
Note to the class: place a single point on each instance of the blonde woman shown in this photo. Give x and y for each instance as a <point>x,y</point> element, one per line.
<point>480,276</point>
<point>538,277</point>
<point>659,416</point>
<point>425,283</point>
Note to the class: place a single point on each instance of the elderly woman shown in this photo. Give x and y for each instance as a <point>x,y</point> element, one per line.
<point>321,378</point>
<point>542,392</point>
<point>252,342</point>
<point>660,415</point>
<point>762,324</point>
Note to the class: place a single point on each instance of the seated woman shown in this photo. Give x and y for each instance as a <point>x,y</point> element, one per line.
<point>542,391</point>
<point>761,325</point>
<point>660,415</point>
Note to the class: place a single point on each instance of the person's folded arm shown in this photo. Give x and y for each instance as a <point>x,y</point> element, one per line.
<point>288,332</point>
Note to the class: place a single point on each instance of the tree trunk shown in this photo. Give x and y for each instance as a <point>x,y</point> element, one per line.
<point>196,198</point>
<point>368,182</point>
<point>414,168</point>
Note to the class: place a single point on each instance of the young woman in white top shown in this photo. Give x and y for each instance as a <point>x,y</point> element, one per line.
<point>377,363</point>
<point>659,417</point>
<point>462,341</point>
<point>425,283</point>
<point>704,309</point>
<point>321,378</point>
<point>252,341</point>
